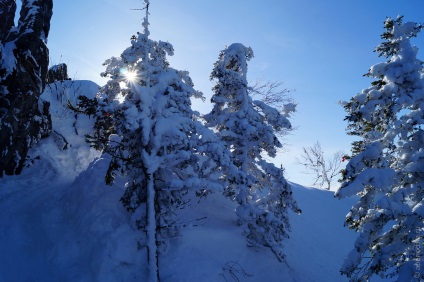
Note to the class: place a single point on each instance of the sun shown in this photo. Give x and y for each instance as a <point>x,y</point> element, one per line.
<point>130,76</point>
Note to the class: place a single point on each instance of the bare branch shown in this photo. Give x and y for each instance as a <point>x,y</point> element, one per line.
<point>325,170</point>
<point>272,93</point>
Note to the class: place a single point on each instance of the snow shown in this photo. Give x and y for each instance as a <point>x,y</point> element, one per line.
<point>378,69</point>
<point>73,127</point>
<point>7,59</point>
<point>60,222</point>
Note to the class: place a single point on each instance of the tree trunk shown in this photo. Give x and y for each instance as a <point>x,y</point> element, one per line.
<point>23,120</point>
<point>152,248</point>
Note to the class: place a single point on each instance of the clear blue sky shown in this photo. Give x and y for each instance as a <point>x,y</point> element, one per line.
<point>319,48</point>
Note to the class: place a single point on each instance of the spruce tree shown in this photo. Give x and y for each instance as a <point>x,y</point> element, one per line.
<point>145,123</point>
<point>248,128</point>
<point>387,166</point>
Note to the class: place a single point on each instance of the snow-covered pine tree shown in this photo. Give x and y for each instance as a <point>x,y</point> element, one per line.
<point>144,121</point>
<point>24,59</point>
<point>248,129</point>
<point>387,166</point>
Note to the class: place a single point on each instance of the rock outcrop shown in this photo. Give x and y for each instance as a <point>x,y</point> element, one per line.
<point>23,71</point>
<point>58,73</point>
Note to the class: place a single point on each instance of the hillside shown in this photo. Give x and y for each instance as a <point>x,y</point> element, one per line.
<point>60,222</point>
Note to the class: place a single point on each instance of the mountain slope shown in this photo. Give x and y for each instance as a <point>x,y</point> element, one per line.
<point>60,222</point>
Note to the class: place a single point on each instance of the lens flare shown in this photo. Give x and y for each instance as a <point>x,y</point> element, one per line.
<point>130,76</point>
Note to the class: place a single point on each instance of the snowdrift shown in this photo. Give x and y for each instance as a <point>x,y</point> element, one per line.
<point>60,222</point>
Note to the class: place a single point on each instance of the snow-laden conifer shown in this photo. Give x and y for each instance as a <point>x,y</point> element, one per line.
<point>387,166</point>
<point>145,122</point>
<point>248,129</point>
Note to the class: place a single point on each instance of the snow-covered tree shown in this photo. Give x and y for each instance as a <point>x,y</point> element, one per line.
<point>24,119</point>
<point>387,166</point>
<point>325,170</point>
<point>248,128</point>
<point>144,121</point>
<point>273,94</point>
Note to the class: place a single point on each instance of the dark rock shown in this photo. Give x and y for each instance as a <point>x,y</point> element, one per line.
<point>23,118</point>
<point>60,140</point>
<point>7,16</point>
<point>57,73</point>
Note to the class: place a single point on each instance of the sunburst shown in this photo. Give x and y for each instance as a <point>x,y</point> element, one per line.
<point>130,76</point>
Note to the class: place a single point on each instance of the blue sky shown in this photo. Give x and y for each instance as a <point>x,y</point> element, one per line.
<point>319,48</point>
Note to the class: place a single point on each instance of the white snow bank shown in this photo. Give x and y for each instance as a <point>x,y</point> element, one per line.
<point>60,222</point>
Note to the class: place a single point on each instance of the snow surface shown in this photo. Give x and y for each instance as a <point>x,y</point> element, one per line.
<point>60,222</point>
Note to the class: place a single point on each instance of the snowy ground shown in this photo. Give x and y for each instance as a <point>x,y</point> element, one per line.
<point>60,222</point>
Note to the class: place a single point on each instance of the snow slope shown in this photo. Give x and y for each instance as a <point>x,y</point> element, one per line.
<point>60,222</point>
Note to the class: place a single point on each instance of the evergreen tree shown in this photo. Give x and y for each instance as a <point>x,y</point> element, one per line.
<point>248,129</point>
<point>144,121</point>
<point>387,166</point>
